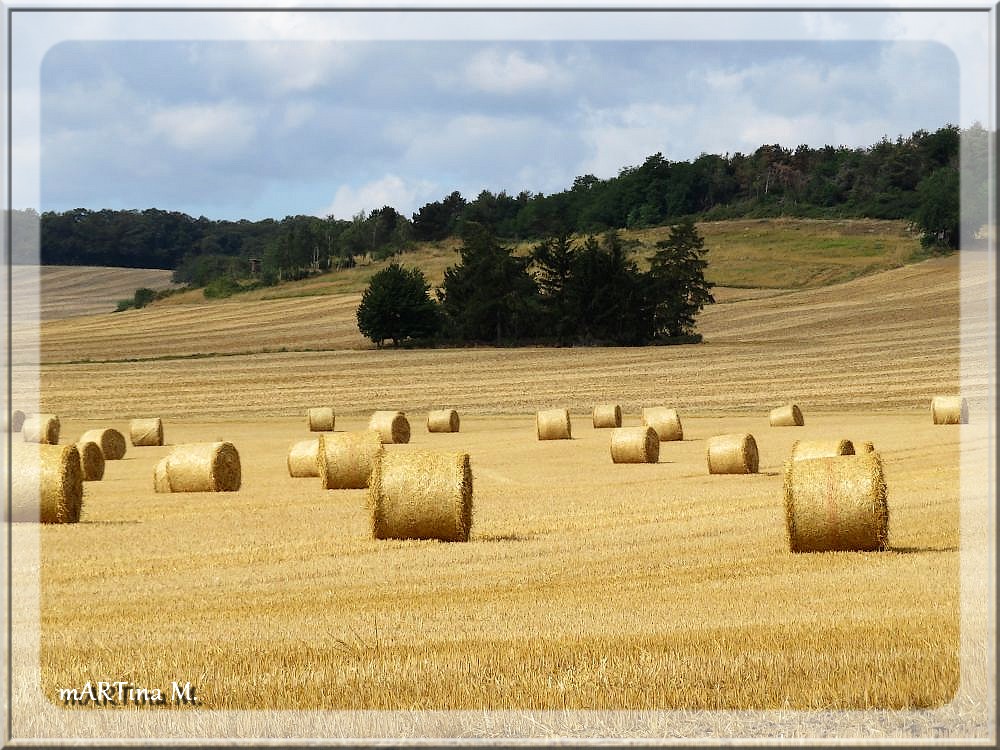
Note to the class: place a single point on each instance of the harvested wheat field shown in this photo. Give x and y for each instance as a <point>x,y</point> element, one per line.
<point>584,584</point>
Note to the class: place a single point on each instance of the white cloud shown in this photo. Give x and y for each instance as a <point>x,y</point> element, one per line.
<point>221,129</point>
<point>510,72</point>
<point>625,137</point>
<point>406,196</point>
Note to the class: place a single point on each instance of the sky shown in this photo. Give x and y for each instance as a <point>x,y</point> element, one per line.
<point>326,117</point>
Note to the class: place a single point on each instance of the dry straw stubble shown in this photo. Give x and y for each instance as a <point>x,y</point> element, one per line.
<point>789,415</point>
<point>303,458</point>
<point>421,495</point>
<point>346,459</point>
<point>41,428</point>
<point>46,483</point>
<point>321,419</point>
<point>735,453</point>
<point>443,420</point>
<point>607,415</point>
<point>91,460</point>
<point>392,426</point>
<point>836,503</point>
<point>665,421</point>
<point>110,441</point>
<point>635,445</point>
<point>949,410</point>
<point>199,467</point>
<point>146,432</point>
<point>805,449</point>
<point>553,424</point>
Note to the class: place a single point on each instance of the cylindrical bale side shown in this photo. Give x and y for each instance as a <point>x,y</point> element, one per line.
<point>665,421</point>
<point>41,428</point>
<point>161,478</point>
<point>949,410</point>
<point>46,483</point>
<point>836,503</point>
<point>346,459</point>
<point>443,420</point>
<point>303,459</point>
<point>635,445</point>
<point>203,467</point>
<point>421,495</point>
<point>392,426</point>
<point>789,415</point>
<point>146,432</point>
<point>607,415</point>
<point>733,454</point>
<point>553,424</point>
<point>91,460</point>
<point>805,449</point>
<point>111,442</point>
<point>321,419</point>
<point>16,420</point>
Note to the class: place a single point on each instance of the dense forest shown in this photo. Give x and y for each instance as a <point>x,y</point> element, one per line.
<point>913,178</point>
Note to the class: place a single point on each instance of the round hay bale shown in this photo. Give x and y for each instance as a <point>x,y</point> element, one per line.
<point>805,449</point>
<point>635,445</point>
<point>321,419</point>
<point>421,495</point>
<point>199,467</point>
<point>733,454</point>
<point>607,415</point>
<point>553,424</point>
<point>111,442</point>
<point>91,460</point>
<point>16,420</point>
<point>868,447</point>
<point>949,410</point>
<point>46,483</point>
<point>346,459</point>
<point>303,459</point>
<point>442,420</point>
<point>665,421</point>
<point>787,416</point>
<point>836,503</point>
<point>392,426</point>
<point>144,432</point>
<point>40,428</point>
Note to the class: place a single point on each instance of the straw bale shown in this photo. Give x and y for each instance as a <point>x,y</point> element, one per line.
<point>665,421</point>
<point>789,415</point>
<point>46,483</point>
<point>111,442</point>
<point>442,420</point>
<point>804,449</point>
<point>635,445</point>
<point>303,459</point>
<point>346,459</point>
<point>199,467</point>
<point>392,426</point>
<point>949,410</point>
<point>321,419</point>
<point>421,495</point>
<point>735,453</point>
<point>607,415</point>
<point>553,424</point>
<point>836,503</point>
<point>16,420</point>
<point>868,447</point>
<point>91,460</point>
<point>41,428</point>
<point>145,432</point>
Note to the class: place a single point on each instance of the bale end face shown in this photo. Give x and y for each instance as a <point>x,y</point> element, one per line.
<point>110,441</point>
<point>553,424</point>
<point>635,445</point>
<point>607,415</point>
<point>733,454</point>
<point>46,483</point>
<point>91,461</point>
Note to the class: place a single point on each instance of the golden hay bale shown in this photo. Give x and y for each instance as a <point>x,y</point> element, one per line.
<point>303,459</point>
<point>16,420</point>
<point>868,447</point>
<point>392,426</point>
<point>836,503</point>
<point>421,495</point>
<point>346,459</point>
<point>635,445</point>
<point>733,454</point>
<point>46,483</point>
<point>41,428</point>
<point>553,424</point>
<point>665,421</point>
<point>804,449</point>
<point>949,410</point>
<point>321,419</point>
<point>111,442</point>
<point>146,432</point>
<point>607,415</point>
<point>787,416</point>
<point>442,420</point>
<point>199,467</point>
<point>91,460</point>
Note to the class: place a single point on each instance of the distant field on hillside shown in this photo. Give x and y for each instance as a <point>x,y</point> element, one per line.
<point>67,291</point>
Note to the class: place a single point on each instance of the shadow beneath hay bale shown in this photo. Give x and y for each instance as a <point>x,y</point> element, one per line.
<point>769,473</point>
<point>918,550</point>
<point>502,538</point>
<point>84,522</point>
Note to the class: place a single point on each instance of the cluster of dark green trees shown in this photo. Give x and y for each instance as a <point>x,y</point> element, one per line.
<point>913,178</point>
<point>563,293</point>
